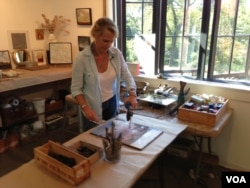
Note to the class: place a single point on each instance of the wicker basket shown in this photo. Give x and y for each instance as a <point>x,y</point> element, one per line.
<point>73,175</point>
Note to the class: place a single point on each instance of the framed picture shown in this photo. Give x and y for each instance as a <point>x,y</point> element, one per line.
<point>5,61</point>
<point>18,39</point>
<point>83,42</point>
<point>84,16</point>
<point>60,52</point>
<point>40,57</point>
<point>39,34</point>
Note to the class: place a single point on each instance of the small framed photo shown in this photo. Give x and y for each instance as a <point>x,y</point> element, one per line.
<point>83,42</point>
<point>39,34</point>
<point>84,16</point>
<point>40,57</point>
<point>60,52</point>
<point>5,61</point>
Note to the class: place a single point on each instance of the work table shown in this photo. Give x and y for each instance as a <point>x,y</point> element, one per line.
<point>29,78</point>
<point>125,173</point>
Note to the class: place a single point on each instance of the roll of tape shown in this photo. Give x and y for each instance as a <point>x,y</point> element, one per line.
<point>15,102</point>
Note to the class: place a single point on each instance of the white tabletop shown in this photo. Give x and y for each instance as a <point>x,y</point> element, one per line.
<point>133,163</point>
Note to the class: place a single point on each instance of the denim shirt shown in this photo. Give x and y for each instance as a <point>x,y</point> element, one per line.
<point>85,77</point>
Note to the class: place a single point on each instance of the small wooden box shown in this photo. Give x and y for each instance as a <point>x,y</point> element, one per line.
<point>74,175</point>
<point>97,152</point>
<point>194,116</point>
<point>53,107</point>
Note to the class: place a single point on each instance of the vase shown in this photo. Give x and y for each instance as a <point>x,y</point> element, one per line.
<point>51,37</point>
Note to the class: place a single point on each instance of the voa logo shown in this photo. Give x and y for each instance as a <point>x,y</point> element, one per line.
<point>236,179</point>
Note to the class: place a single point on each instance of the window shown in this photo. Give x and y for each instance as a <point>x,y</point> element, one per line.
<point>182,37</point>
<point>232,49</point>
<point>139,38</point>
<point>197,39</point>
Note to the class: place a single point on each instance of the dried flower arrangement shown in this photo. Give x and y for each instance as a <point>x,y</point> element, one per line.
<point>58,23</point>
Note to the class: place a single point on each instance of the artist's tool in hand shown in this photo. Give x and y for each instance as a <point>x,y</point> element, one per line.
<point>128,106</point>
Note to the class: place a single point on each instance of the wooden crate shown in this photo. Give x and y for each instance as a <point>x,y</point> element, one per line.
<point>98,152</point>
<point>204,118</point>
<point>74,175</point>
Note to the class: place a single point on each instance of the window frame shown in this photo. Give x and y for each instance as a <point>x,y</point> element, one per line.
<point>205,58</point>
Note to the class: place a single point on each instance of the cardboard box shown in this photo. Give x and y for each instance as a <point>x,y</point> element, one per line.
<point>73,175</point>
<point>204,118</point>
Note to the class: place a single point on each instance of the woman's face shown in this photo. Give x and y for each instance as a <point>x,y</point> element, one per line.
<point>104,41</point>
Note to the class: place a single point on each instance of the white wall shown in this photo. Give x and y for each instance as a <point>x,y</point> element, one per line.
<point>25,15</point>
<point>232,145</point>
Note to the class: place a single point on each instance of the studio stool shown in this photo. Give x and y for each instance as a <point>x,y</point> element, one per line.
<point>70,100</point>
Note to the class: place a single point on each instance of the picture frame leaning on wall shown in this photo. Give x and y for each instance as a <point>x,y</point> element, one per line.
<point>60,52</point>
<point>40,57</point>
<point>18,39</point>
<point>5,61</point>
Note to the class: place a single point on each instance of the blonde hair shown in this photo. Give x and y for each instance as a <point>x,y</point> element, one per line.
<point>104,23</point>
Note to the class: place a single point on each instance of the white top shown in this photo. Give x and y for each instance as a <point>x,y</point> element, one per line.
<point>107,80</point>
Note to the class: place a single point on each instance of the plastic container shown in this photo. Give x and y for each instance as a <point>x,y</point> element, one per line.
<point>39,104</point>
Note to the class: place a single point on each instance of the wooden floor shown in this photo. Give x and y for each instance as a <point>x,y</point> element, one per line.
<point>177,172</point>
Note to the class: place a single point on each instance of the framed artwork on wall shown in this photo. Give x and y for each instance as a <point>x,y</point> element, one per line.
<point>84,16</point>
<point>60,52</point>
<point>5,61</point>
<point>39,34</point>
<point>40,57</point>
<point>83,42</point>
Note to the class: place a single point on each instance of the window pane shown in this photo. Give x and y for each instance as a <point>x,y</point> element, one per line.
<point>172,53</point>
<point>140,41</point>
<point>174,20</point>
<point>239,55</point>
<point>232,45</point>
<point>145,52</point>
<point>190,54</point>
<point>222,57</point>
<point>243,18</point>
<point>193,18</point>
<point>227,17</point>
<point>133,19</point>
<point>130,50</point>
<point>147,18</point>
<point>182,37</point>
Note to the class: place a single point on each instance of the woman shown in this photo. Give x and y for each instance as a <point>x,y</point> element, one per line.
<point>97,73</point>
